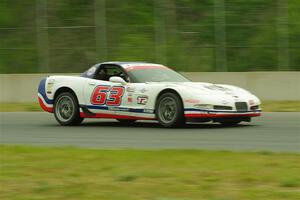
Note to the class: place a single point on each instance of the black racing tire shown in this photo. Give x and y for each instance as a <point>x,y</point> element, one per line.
<point>169,110</point>
<point>126,121</point>
<point>66,109</point>
<point>231,123</point>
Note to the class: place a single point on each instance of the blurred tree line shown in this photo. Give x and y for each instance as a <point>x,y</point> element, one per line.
<point>189,35</point>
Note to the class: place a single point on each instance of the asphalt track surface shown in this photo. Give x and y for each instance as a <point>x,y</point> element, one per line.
<point>279,132</point>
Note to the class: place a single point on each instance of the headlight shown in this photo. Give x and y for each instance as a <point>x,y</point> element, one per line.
<point>204,106</point>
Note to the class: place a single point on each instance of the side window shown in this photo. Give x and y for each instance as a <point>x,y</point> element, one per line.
<point>102,74</point>
<point>108,71</point>
<point>90,73</point>
<point>114,71</point>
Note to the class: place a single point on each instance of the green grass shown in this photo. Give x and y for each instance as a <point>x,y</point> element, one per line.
<point>73,173</point>
<point>267,106</point>
<point>281,106</point>
<point>19,107</point>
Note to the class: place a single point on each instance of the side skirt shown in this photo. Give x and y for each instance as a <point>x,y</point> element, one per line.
<point>86,113</point>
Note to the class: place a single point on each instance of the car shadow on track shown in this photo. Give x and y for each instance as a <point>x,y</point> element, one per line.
<point>157,125</point>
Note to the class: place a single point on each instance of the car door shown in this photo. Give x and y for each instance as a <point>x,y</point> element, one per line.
<point>102,96</point>
<point>95,93</point>
<point>117,100</point>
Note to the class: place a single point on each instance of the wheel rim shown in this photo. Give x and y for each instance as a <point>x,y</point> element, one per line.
<point>64,108</point>
<point>167,109</point>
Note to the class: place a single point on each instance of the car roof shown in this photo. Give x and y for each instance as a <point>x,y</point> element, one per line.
<point>125,65</point>
<point>128,64</point>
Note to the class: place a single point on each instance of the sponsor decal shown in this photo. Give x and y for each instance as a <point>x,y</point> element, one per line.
<point>195,101</point>
<point>118,109</point>
<point>49,86</point>
<point>107,95</point>
<point>142,100</point>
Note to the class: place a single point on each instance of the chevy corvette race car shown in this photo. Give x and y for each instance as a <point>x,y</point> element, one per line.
<point>130,91</point>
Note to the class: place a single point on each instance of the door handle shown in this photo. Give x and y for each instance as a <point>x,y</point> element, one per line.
<point>92,83</point>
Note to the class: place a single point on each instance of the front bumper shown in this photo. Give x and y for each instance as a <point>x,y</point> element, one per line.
<point>221,114</point>
<point>212,115</point>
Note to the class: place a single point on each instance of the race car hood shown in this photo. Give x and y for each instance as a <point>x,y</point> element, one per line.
<point>202,88</point>
<point>217,89</point>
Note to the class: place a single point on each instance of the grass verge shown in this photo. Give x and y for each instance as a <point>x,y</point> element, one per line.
<point>281,106</point>
<point>73,173</point>
<point>267,106</point>
<point>20,107</point>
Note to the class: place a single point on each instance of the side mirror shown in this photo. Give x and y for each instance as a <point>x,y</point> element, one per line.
<point>117,79</point>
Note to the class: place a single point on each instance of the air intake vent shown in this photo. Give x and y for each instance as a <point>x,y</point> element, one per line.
<point>254,108</point>
<point>241,106</point>
<point>222,108</point>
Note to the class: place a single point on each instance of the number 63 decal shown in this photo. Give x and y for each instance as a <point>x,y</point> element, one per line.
<point>107,95</point>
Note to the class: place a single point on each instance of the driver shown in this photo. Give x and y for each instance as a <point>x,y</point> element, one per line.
<point>122,75</point>
<point>102,75</point>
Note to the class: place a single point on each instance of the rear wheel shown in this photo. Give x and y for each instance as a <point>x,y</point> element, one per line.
<point>66,109</point>
<point>169,110</point>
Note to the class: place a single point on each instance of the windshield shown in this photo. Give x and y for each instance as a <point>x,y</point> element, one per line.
<point>156,74</point>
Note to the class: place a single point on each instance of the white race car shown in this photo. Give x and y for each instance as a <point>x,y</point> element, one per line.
<point>130,91</point>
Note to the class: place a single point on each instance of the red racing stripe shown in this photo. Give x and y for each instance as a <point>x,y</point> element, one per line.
<point>44,107</point>
<point>144,67</point>
<point>204,115</point>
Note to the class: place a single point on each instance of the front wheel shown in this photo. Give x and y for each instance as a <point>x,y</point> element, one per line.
<point>66,109</point>
<point>169,110</point>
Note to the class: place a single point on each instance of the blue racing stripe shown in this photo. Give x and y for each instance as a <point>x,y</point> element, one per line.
<point>124,109</point>
<point>42,91</point>
<point>97,107</point>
